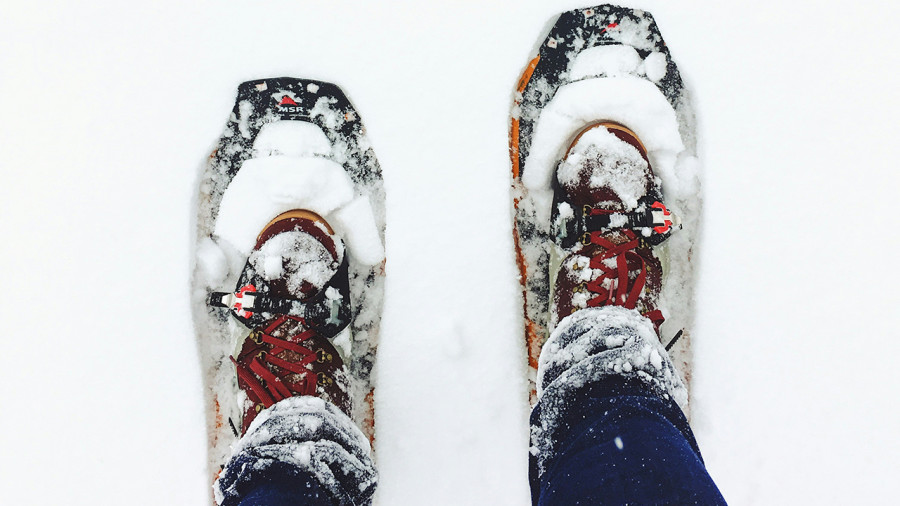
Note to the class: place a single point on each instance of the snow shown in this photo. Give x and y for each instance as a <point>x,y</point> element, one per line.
<point>630,33</point>
<point>110,108</point>
<point>356,224</point>
<point>620,168</point>
<point>291,138</point>
<point>304,257</point>
<point>607,61</point>
<point>213,261</point>
<point>655,66</point>
<point>630,101</point>
<point>267,187</point>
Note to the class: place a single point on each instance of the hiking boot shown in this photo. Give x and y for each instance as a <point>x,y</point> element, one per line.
<point>294,295</point>
<point>607,216</point>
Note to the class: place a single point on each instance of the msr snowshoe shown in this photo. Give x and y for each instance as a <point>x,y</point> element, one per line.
<point>604,169</point>
<point>288,277</point>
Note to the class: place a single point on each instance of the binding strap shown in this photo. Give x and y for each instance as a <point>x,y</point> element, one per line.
<point>650,219</point>
<point>327,311</point>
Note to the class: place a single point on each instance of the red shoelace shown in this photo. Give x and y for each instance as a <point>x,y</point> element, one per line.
<point>619,294</point>
<point>258,369</point>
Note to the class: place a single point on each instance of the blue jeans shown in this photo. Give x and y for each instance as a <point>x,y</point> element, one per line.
<point>607,429</point>
<point>622,445</point>
<point>287,487</point>
<point>301,451</point>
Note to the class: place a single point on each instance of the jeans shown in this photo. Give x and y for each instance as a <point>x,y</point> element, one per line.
<point>607,429</point>
<point>622,446</point>
<point>302,450</point>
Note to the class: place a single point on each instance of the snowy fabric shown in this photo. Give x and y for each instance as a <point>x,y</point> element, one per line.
<point>595,343</point>
<point>306,434</point>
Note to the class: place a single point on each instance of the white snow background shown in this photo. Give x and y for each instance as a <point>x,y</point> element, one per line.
<point>108,109</point>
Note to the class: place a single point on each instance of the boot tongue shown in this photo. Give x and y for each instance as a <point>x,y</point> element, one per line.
<point>602,168</point>
<point>294,263</point>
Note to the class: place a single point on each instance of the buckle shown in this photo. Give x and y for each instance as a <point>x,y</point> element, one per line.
<point>663,219</point>
<point>241,302</point>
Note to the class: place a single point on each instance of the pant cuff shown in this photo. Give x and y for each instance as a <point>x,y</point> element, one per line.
<point>301,436</point>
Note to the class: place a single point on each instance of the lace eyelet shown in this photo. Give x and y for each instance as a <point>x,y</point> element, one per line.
<point>322,356</point>
<point>324,380</point>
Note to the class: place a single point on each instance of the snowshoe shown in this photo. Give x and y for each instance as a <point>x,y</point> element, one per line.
<point>605,72</point>
<point>288,277</point>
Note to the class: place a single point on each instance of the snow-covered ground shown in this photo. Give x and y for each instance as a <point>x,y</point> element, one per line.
<point>110,108</point>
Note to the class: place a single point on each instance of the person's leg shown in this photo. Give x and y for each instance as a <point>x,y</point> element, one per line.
<point>302,450</point>
<point>299,490</point>
<point>607,428</point>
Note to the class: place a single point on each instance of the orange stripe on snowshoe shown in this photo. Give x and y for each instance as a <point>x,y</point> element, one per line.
<point>526,76</point>
<point>514,124</point>
<point>514,146</point>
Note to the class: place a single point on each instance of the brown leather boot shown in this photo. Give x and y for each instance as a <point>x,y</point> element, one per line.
<point>284,359</point>
<point>607,216</point>
<point>293,295</point>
